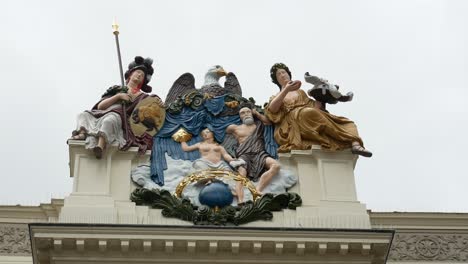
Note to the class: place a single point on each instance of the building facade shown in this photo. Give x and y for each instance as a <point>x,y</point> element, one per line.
<point>98,223</point>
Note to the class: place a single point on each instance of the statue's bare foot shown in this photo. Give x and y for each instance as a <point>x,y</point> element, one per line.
<point>97,152</point>
<point>360,150</point>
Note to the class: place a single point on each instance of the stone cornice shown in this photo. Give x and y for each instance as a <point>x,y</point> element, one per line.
<point>139,243</point>
<point>27,214</point>
<point>419,221</point>
<point>379,220</point>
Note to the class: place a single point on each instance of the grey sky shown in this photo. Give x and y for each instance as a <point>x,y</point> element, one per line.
<point>405,61</point>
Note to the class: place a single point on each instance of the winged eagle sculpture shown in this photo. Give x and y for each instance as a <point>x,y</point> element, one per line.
<point>185,84</point>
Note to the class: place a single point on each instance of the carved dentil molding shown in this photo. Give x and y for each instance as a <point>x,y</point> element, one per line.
<point>433,247</point>
<point>14,240</point>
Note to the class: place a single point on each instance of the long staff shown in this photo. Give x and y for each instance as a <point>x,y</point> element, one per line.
<point>115,30</point>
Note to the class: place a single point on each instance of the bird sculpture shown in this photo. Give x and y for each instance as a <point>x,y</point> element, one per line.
<point>185,84</point>
<point>325,92</point>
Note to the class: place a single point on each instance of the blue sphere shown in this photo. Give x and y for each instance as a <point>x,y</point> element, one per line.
<point>216,194</point>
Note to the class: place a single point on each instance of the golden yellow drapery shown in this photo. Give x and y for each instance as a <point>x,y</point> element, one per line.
<point>298,125</point>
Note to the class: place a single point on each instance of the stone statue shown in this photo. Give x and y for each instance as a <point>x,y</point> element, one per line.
<point>301,122</point>
<point>325,92</point>
<point>258,164</point>
<point>189,112</point>
<point>108,121</point>
<point>212,153</point>
<point>193,109</point>
<point>185,84</point>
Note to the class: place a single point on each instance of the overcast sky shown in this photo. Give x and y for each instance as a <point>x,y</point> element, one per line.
<point>406,62</point>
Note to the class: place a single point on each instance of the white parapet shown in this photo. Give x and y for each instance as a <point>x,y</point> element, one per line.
<point>328,190</point>
<point>101,190</point>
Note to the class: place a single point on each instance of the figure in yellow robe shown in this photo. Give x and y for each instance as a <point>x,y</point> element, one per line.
<point>300,123</point>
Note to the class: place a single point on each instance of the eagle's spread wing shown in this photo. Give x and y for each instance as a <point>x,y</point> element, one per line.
<point>183,85</point>
<point>231,85</point>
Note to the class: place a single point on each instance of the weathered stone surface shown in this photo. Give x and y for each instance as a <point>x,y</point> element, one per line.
<point>14,240</point>
<point>429,247</point>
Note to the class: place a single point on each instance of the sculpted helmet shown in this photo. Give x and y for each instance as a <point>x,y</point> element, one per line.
<point>146,66</point>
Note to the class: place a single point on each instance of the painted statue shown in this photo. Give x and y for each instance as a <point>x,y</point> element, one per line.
<point>258,163</point>
<point>213,155</point>
<point>125,116</point>
<point>186,84</point>
<point>301,121</point>
<point>213,105</point>
<point>325,92</point>
<point>209,150</point>
<point>203,131</point>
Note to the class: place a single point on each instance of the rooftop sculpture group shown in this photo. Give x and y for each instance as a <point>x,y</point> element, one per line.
<point>215,128</point>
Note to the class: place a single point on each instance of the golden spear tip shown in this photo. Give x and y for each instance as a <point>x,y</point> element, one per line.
<point>115,27</point>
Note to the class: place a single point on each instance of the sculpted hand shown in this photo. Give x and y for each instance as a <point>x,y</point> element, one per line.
<point>181,135</point>
<point>236,163</point>
<point>255,113</point>
<point>125,97</point>
<point>292,86</point>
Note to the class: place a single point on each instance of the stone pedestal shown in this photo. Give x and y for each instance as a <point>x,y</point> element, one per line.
<point>101,190</point>
<point>328,190</point>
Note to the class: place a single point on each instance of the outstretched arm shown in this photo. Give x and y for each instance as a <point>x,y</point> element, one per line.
<point>277,102</point>
<point>187,148</point>
<point>226,155</point>
<point>230,129</point>
<point>261,117</point>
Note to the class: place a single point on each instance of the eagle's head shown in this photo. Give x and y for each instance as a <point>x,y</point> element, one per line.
<point>217,70</point>
<point>214,74</point>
